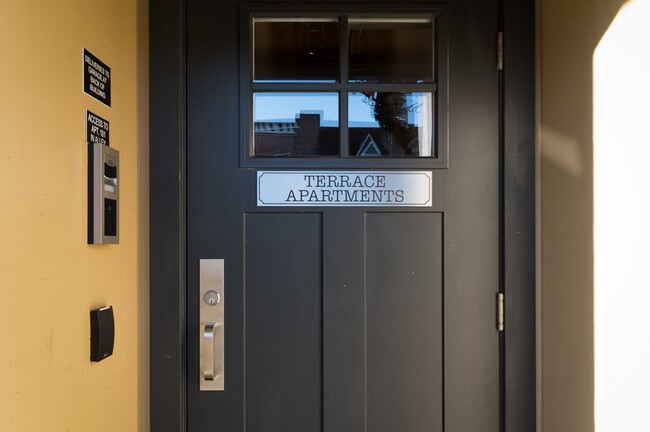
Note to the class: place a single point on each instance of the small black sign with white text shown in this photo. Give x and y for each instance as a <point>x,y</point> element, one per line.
<point>96,129</point>
<point>97,78</point>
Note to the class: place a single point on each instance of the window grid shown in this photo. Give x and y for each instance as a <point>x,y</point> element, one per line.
<point>344,87</point>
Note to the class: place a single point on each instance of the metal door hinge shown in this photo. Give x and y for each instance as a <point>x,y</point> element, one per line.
<point>500,51</point>
<point>500,312</point>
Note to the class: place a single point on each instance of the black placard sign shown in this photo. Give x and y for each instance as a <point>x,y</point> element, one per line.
<point>96,129</point>
<point>97,78</point>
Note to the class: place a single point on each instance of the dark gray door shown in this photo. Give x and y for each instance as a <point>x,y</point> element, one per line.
<point>340,319</point>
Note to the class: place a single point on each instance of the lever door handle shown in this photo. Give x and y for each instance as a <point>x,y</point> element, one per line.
<point>212,362</point>
<point>208,351</point>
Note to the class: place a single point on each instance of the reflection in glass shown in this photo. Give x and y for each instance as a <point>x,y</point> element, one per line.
<point>287,51</point>
<point>295,124</point>
<point>391,50</point>
<point>391,124</point>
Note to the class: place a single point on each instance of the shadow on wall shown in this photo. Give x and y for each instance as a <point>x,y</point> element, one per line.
<point>570,32</point>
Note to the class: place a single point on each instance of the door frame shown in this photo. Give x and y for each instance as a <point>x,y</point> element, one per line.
<point>167,105</point>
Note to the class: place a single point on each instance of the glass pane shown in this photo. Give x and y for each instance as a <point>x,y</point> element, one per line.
<point>395,51</point>
<point>391,124</point>
<point>286,51</point>
<point>296,124</point>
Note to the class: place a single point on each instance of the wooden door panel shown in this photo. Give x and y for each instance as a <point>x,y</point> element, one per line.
<point>283,295</point>
<point>404,321</point>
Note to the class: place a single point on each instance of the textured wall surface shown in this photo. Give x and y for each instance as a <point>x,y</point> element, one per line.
<point>49,277</point>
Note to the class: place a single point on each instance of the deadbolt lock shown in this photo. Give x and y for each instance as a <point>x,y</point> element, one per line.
<point>212,298</point>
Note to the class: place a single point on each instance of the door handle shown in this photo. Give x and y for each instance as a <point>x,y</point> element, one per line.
<point>208,351</point>
<point>212,362</point>
<point>211,325</point>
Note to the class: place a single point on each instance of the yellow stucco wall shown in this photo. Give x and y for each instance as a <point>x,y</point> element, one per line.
<point>49,277</point>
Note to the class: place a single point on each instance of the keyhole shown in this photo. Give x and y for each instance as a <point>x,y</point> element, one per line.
<point>212,298</point>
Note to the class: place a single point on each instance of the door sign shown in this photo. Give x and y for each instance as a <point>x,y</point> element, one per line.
<point>96,129</point>
<point>97,78</point>
<point>344,188</point>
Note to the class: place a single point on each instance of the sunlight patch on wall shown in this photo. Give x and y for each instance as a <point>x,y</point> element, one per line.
<point>562,150</point>
<point>622,222</point>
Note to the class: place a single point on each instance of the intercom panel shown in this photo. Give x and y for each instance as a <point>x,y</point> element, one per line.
<point>103,194</point>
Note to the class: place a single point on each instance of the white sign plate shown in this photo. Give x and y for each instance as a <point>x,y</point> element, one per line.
<point>344,188</point>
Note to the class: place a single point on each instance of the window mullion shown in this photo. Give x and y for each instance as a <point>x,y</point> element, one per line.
<point>343,94</point>
<point>295,87</point>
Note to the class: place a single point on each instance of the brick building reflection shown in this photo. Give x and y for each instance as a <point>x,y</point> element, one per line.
<point>306,136</point>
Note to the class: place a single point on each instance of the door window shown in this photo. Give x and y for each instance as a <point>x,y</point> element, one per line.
<point>296,124</point>
<point>391,50</point>
<point>294,50</point>
<point>347,88</point>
